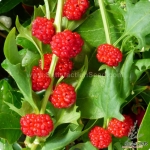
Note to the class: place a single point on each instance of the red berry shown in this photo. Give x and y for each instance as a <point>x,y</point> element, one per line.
<point>43,29</point>
<point>100,137</point>
<point>47,62</point>
<point>63,96</point>
<point>40,79</point>
<point>109,55</point>
<point>66,44</point>
<point>120,128</point>
<point>63,67</point>
<point>36,125</point>
<point>74,9</point>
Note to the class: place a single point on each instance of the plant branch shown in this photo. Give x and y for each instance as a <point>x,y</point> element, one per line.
<point>110,146</point>
<point>105,20</point>
<point>123,35</point>
<point>47,9</point>
<point>58,17</point>
<point>51,71</point>
<point>3,35</point>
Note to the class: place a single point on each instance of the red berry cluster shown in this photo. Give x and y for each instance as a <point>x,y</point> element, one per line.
<point>66,44</point>
<point>63,67</point>
<point>120,128</point>
<point>40,79</point>
<point>101,138</point>
<point>63,96</point>
<point>43,29</point>
<point>109,55</point>
<point>36,125</point>
<point>74,9</point>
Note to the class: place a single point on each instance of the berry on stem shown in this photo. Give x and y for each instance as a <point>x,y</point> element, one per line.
<point>40,79</point>
<point>120,128</point>
<point>109,55</point>
<point>63,96</point>
<point>36,125</point>
<point>100,137</point>
<point>63,67</point>
<point>66,44</point>
<point>43,29</point>
<point>74,9</point>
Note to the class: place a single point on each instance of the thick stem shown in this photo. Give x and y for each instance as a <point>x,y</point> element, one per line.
<point>46,97</point>
<point>110,146</point>
<point>57,23</point>
<point>53,65</point>
<point>58,17</point>
<point>105,20</point>
<point>27,141</point>
<point>35,143</point>
<point>34,146</point>
<point>47,9</point>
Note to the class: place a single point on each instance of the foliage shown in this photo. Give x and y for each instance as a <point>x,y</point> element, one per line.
<point>103,92</point>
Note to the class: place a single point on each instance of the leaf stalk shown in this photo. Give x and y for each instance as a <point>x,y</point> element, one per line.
<point>105,21</point>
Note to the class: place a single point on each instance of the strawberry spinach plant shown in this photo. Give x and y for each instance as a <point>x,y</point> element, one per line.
<point>78,76</point>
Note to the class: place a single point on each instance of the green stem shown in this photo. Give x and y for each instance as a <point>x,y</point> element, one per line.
<point>123,35</point>
<point>110,146</point>
<point>105,20</point>
<point>27,141</point>
<point>57,23</point>
<point>35,143</point>
<point>50,88</point>
<point>47,9</point>
<point>58,17</point>
<point>4,27</point>
<point>53,65</point>
<point>124,42</point>
<point>46,97</point>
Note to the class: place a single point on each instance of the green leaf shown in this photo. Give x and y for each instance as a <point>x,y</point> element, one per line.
<point>140,66</point>
<point>137,24</point>
<point>4,145</point>
<point>16,146</point>
<point>8,95</point>
<point>69,115</point>
<point>10,48</point>
<point>22,80</point>
<point>94,34</point>
<point>25,43</point>
<point>25,109</point>
<point>88,94</point>
<point>136,91</point>
<point>7,5</point>
<point>26,33</point>
<point>62,138</point>
<point>76,77</point>
<point>30,59</point>
<point>143,133</point>
<point>9,127</point>
<point>83,146</point>
<point>143,64</point>
<point>52,5</point>
<point>110,96</point>
<point>125,73</point>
